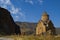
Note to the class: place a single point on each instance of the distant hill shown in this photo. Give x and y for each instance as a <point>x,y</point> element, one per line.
<point>58,30</point>
<point>29,28</point>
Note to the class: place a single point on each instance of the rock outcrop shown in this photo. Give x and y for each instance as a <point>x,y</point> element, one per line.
<point>7,24</point>
<point>45,26</point>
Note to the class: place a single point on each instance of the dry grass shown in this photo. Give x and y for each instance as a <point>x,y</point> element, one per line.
<point>31,37</point>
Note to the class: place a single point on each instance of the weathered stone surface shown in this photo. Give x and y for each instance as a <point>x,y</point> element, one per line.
<point>45,26</point>
<point>7,25</point>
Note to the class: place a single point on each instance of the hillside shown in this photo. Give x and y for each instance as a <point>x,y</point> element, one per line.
<point>29,28</point>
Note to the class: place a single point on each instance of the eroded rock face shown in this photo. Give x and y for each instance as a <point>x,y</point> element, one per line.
<point>45,26</point>
<point>7,25</point>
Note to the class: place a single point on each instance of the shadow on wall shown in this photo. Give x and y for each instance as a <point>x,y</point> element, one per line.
<point>7,24</point>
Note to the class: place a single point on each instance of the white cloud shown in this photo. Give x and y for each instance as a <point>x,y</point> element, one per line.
<point>29,1</point>
<point>22,15</point>
<point>7,4</point>
<point>14,10</point>
<point>34,1</point>
<point>40,1</point>
<point>16,18</point>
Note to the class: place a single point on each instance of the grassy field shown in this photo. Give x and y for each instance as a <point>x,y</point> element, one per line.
<point>31,37</point>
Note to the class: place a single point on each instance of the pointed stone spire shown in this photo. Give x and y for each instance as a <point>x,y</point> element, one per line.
<point>45,14</point>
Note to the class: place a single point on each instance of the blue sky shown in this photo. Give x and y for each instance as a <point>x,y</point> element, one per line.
<point>31,10</point>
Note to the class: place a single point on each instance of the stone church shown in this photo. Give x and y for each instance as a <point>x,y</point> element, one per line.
<point>45,25</point>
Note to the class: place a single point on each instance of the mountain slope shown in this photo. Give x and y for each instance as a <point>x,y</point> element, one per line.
<point>29,28</point>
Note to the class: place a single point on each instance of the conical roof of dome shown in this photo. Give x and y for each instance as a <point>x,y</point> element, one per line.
<point>45,14</point>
